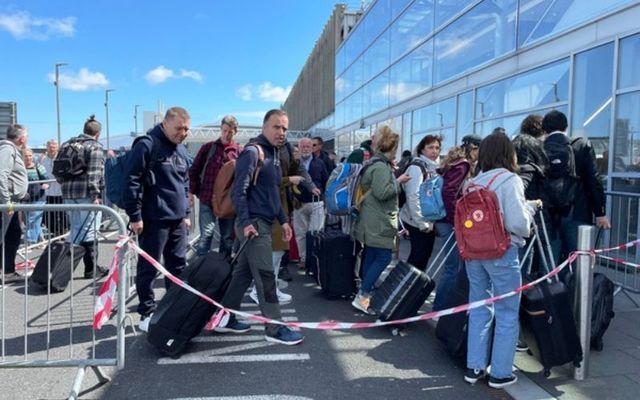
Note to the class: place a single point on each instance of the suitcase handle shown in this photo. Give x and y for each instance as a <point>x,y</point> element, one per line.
<point>235,257</point>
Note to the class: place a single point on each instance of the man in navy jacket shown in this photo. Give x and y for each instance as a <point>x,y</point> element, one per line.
<point>256,199</point>
<point>156,201</point>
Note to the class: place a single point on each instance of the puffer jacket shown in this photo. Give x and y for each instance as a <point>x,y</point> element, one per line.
<point>377,223</point>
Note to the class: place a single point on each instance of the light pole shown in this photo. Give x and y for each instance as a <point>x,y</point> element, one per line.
<point>56,83</point>
<point>106,108</point>
<point>135,118</point>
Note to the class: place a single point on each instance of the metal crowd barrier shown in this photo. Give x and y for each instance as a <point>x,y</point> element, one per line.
<point>624,209</point>
<point>40,328</point>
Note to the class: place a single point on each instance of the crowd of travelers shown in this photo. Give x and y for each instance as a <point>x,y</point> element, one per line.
<point>278,193</point>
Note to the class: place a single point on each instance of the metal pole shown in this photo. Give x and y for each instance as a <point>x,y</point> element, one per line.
<point>135,118</point>
<point>106,108</point>
<point>583,296</point>
<point>56,83</point>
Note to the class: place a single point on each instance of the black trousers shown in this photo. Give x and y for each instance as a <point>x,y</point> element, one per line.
<point>11,241</point>
<point>421,246</point>
<point>167,239</point>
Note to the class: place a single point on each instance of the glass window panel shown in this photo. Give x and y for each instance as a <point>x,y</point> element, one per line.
<point>376,20</point>
<point>540,18</point>
<point>339,115</point>
<point>592,95</point>
<point>353,107</point>
<point>511,124</point>
<point>435,116</point>
<point>354,44</point>
<point>406,131</point>
<point>464,122</point>
<point>627,185</point>
<point>413,26</point>
<point>627,134</point>
<point>485,32</point>
<point>545,85</point>
<point>376,58</point>
<point>445,9</point>
<point>412,74</point>
<point>629,73</point>
<point>397,6</point>
<point>376,94</point>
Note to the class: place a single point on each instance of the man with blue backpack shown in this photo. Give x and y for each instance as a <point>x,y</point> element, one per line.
<point>421,230</point>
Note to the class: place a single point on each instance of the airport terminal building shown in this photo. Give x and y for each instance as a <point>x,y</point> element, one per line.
<point>457,67</point>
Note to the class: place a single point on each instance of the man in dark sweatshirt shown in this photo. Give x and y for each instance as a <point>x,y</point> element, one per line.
<point>156,201</point>
<point>256,198</point>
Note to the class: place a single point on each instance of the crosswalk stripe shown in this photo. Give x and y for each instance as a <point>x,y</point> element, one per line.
<point>228,338</point>
<point>187,359</point>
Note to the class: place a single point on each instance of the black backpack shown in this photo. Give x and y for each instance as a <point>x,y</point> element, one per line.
<point>72,160</point>
<point>562,181</point>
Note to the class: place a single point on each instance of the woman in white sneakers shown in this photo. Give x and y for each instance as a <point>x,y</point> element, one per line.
<point>498,166</point>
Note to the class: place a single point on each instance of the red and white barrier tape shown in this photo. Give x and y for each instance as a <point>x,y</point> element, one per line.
<point>619,247</point>
<point>107,294</point>
<point>330,325</point>
<point>619,261</point>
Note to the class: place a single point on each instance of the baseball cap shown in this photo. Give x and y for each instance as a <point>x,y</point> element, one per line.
<point>471,139</point>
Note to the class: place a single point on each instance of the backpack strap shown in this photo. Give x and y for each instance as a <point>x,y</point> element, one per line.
<point>260,162</point>
<point>210,154</point>
<point>493,179</point>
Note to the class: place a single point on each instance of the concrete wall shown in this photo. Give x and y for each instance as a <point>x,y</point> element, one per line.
<point>313,95</point>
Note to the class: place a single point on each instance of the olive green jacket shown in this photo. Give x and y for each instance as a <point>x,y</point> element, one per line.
<point>377,224</point>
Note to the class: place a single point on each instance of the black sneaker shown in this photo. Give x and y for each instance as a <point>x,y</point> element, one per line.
<point>499,383</point>
<point>100,272</point>
<point>522,346</point>
<point>284,274</point>
<point>473,374</point>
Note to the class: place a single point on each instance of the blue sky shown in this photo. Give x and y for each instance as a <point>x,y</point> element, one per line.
<point>211,57</point>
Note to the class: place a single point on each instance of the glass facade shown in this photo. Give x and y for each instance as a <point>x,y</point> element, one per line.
<point>401,51</point>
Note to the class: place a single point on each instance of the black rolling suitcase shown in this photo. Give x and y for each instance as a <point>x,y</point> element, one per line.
<point>311,253</point>
<point>547,320</point>
<point>336,259</point>
<point>451,329</point>
<point>402,293</point>
<point>62,266</point>
<point>181,315</point>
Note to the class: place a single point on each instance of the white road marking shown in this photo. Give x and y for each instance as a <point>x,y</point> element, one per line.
<point>228,338</point>
<point>188,359</point>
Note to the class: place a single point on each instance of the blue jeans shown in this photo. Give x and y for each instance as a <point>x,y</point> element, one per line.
<point>450,268</point>
<point>488,278</point>
<point>84,224</point>
<point>207,221</point>
<point>375,261</point>
<point>34,224</point>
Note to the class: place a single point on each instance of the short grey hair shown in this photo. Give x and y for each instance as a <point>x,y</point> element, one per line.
<point>16,131</point>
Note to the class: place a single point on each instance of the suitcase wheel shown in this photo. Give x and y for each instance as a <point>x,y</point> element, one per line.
<point>576,364</point>
<point>547,373</point>
<point>395,331</point>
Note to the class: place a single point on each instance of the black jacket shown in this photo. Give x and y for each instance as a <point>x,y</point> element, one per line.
<point>533,163</point>
<point>166,199</point>
<point>590,199</point>
<point>319,176</point>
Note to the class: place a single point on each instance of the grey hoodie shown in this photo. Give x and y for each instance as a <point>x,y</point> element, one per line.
<point>13,174</point>
<point>516,211</point>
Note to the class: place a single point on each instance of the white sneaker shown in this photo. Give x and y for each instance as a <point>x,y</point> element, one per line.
<point>254,295</point>
<point>283,298</point>
<point>144,323</point>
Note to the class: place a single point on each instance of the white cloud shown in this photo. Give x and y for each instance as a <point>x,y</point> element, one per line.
<point>82,81</point>
<point>21,25</point>
<point>245,92</point>
<point>196,76</point>
<point>158,75</point>
<point>268,92</point>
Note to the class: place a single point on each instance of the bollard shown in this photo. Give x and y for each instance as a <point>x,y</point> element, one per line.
<point>583,296</point>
